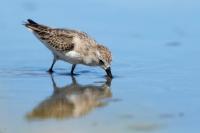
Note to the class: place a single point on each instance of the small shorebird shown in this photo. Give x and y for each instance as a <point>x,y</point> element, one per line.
<point>72,46</point>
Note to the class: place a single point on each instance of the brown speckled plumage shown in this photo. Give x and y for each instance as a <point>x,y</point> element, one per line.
<point>105,53</point>
<point>56,38</point>
<point>72,46</point>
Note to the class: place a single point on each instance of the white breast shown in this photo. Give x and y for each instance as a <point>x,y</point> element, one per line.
<point>72,57</point>
<point>72,54</point>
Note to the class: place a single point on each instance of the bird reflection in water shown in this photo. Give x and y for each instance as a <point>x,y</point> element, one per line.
<point>72,100</point>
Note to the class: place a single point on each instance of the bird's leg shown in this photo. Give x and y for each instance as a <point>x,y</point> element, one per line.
<point>51,68</point>
<point>72,70</point>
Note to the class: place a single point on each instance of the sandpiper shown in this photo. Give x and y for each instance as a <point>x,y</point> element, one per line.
<point>72,46</point>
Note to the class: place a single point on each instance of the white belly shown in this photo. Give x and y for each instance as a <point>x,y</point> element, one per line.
<point>71,57</point>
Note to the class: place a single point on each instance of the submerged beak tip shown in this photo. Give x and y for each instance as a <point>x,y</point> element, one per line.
<point>109,73</point>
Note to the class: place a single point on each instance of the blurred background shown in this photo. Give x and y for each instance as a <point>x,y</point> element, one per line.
<point>155,47</point>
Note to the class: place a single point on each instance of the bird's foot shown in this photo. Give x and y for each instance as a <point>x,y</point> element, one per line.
<point>50,71</point>
<point>73,74</point>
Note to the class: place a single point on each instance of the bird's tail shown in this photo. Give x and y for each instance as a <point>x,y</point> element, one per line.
<point>32,25</point>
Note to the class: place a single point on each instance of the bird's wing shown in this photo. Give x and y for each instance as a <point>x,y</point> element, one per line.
<point>59,39</point>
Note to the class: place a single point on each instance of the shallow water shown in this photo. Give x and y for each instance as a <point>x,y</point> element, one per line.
<point>156,66</point>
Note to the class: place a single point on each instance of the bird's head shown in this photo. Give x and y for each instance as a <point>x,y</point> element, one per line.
<point>105,59</point>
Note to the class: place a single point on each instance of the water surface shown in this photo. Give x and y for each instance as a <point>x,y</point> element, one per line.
<point>155,46</point>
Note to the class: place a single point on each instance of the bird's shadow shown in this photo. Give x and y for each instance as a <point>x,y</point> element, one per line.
<point>71,101</point>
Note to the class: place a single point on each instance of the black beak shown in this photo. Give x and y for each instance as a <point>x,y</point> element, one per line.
<point>108,71</point>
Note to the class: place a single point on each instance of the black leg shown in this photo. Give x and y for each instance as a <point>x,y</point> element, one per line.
<point>72,70</point>
<point>51,68</point>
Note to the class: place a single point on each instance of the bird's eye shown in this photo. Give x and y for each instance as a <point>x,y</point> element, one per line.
<point>101,62</point>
